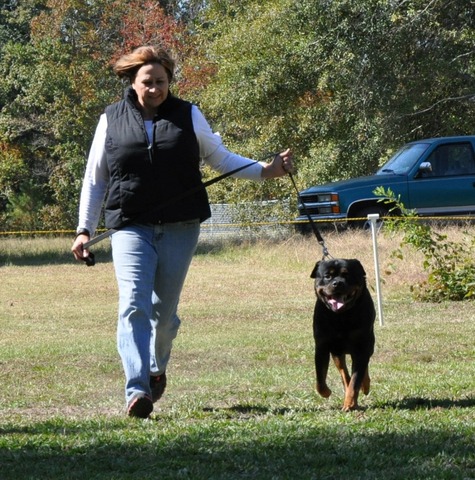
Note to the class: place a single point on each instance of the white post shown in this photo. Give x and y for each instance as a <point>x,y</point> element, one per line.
<point>373,218</point>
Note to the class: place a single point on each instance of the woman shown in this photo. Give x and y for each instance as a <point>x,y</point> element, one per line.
<point>146,150</point>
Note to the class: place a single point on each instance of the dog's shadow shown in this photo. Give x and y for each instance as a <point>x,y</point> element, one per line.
<point>254,410</point>
<point>421,403</point>
<point>409,403</point>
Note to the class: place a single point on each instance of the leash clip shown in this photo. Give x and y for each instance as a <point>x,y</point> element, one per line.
<point>325,251</point>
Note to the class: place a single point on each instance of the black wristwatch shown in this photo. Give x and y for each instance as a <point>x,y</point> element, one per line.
<point>82,231</point>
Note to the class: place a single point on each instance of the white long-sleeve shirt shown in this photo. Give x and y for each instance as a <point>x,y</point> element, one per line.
<point>96,178</point>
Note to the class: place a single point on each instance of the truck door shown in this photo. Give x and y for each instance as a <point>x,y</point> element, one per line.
<point>450,186</point>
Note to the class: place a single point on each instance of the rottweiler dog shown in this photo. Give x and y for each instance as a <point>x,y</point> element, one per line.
<point>343,323</point>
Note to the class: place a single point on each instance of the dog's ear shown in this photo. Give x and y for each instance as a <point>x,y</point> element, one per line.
<point>314,271</point>
<point>358,267</point>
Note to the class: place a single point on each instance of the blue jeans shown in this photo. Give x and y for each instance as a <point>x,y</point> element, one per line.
<point>151,263</point>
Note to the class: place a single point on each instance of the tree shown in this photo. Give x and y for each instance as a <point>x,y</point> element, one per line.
<point>52,90</point>
<point>343,82</point>
<point>47,119</point>
<point>15,18</point>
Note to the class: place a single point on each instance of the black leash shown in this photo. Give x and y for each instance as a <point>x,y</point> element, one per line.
<point>90,260</point>
<point>313,225</point>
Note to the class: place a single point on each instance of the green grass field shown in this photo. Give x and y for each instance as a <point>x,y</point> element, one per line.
<point>241,402</point>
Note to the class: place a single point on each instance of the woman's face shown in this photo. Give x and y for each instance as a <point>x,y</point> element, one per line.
<point>151,85</point>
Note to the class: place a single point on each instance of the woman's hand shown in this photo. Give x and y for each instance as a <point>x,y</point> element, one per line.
<point>280,165</point>
<point>79,252</point>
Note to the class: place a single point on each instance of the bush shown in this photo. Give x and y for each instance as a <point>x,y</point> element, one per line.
<point>450,265</point>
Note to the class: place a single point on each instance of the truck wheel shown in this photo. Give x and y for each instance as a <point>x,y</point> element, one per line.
<point>364,212</point>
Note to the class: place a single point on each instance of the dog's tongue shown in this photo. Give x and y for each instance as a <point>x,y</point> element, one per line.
<point>335,304</point>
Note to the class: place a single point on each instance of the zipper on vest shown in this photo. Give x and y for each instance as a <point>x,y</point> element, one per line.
<point>149,141</point>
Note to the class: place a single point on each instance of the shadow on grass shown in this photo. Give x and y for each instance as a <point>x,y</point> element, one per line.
<point>249,411</point>
<point>419,403</point>
<point>416,403</point>
<point>48,257</point>
<point>29,253</point>
<point>276,449</point>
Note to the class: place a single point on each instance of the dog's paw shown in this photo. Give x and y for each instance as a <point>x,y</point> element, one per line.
<point>351,400</point>
<point>324,391</point>
<point>349,408</point>
<point>350,405</point>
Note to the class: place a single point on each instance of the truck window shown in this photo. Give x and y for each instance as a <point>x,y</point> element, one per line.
<point>403,160</point>
<point>452,159</point>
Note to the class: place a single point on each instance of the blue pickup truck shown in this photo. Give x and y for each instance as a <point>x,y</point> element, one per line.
<point>435,177</point>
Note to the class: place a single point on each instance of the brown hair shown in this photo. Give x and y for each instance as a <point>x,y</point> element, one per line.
<point>128,65</point>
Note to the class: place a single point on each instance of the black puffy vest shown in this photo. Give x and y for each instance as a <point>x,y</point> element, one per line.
<point>143,177</point>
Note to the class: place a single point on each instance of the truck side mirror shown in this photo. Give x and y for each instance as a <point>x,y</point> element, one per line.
<point>425,169</point>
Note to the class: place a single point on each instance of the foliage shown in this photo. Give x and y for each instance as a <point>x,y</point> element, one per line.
<point>47,119</point>
<point>51,113</point>
<point>12,168</point>
<point>22,209</point>
<point>450,265</point>
<point>343,83</point>
<point>15,18</point>
<point>138,27</point>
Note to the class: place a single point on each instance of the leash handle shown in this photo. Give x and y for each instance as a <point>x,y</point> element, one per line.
<point>90,260</point>
<point>97,239</point>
